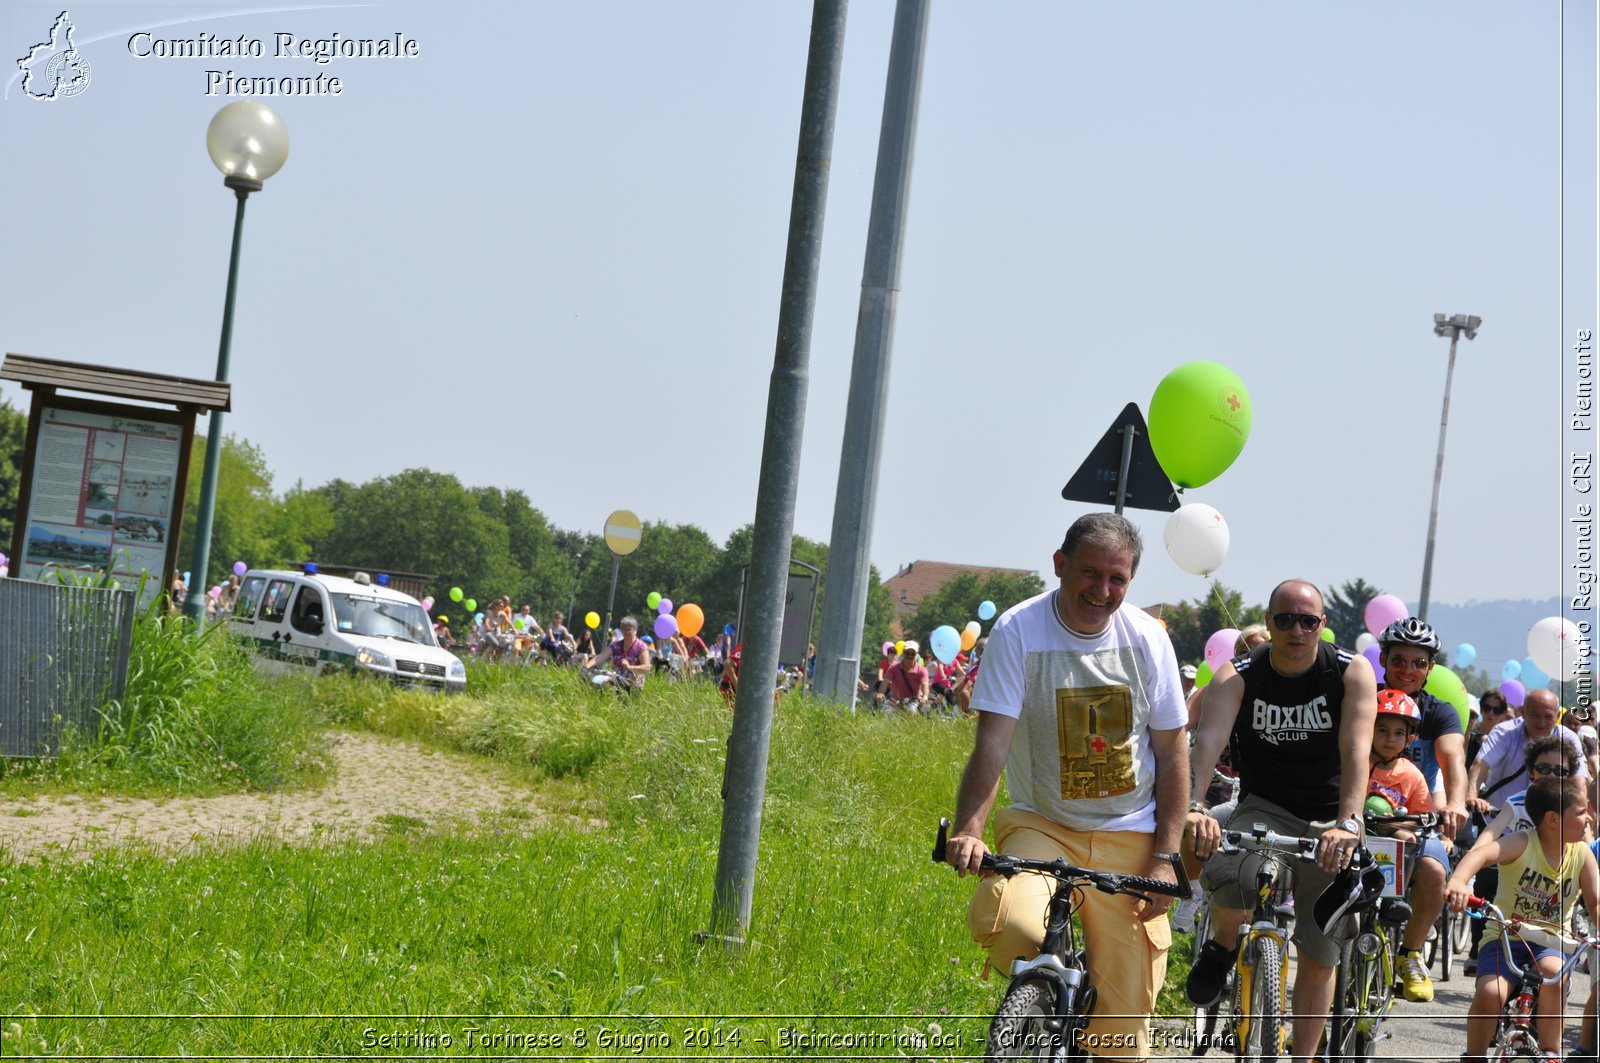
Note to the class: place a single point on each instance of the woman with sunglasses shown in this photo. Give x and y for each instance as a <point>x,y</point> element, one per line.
<point>1549,757</point>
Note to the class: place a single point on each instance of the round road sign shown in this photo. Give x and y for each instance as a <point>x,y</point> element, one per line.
<point>623,532</point>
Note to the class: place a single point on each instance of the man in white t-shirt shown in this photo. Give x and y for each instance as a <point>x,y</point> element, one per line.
<point>1080,702</point>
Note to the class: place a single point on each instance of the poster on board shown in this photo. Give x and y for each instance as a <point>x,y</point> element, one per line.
<point>101,495</point>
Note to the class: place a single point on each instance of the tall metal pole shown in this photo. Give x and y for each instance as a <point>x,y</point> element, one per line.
<point>1454,326</point>
<point>194,604</point>
<point>844,603</point>
<point>745,781</point>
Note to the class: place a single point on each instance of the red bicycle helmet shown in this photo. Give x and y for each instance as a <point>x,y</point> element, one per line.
<point>1398,703</point>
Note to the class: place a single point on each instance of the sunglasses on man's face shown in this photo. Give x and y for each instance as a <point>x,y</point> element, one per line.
<point>1287,621</point>
<point>1547,770</point>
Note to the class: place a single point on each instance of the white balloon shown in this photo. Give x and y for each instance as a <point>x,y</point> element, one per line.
<point>1557,647</point>
<point>1365,639</point>
<point>1197,538</point>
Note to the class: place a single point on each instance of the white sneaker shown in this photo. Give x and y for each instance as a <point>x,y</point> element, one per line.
<point>1184,912</point>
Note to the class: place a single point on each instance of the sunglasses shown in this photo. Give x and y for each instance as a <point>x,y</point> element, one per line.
<point>1551,769</point>
<point>1287,621</point>
<point>1414,663</point>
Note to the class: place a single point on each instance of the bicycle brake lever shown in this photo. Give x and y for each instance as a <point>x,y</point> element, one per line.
<point>939,843</point>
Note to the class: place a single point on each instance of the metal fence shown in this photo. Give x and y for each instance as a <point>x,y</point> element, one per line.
<point>63,654</point>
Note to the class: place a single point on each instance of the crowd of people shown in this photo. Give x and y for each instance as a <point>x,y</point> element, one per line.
<point>1082,704</point>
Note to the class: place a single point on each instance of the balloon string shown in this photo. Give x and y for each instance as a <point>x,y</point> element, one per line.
<point>1216,589</point>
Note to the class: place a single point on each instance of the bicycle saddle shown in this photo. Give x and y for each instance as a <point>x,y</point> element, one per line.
<point>1355,887</point>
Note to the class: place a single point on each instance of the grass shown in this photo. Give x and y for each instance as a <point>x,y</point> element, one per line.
<point>502,941</point>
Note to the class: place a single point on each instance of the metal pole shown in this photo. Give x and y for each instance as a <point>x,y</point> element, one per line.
<point>1127,432</point>
<point>1438,474</point>
<point>844,604</point>
<point>746,777</point>
<point>194,604</point>
<point>611,598</point>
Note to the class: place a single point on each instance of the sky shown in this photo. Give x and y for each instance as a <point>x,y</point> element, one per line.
<point>546,252</point>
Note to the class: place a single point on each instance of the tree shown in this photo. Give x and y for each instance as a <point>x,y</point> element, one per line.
<point>422,521</point>
<point>956,602</point>
<point>1346,606</point>
<point>242,515</point>
<point>13,437</point>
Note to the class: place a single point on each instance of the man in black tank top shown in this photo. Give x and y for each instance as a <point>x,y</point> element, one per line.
<point>1299,713</point>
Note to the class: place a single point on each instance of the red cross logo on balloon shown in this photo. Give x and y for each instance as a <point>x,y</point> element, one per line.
<point>1097,744</point>
<point>1233,402</point>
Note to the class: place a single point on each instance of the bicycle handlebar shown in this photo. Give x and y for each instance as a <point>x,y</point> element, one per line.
<point>1259,839</point>
<point>1104,881</point>
<point>1423,821</point>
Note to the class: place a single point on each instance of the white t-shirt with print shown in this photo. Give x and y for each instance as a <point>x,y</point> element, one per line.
<point>1081,753</point>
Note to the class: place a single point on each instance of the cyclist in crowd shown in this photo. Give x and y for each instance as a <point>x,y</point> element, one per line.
<point>908,679</point>
<point>1407,649</point>
<point>1394,778</point>
<point>628,654</point>
<point>1107,793</point>
<point>1501,767</point>
<point>1542,873</point>
<point>1492,712</point>
<point>1299,712</point>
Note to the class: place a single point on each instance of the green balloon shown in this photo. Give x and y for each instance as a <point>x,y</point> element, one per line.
<point>472,605</point>
<point>1199,421</point>
<point>1445,685</point>
<point>455,594</point>
<point>1203,675</point>
<point>1328,635</point>
<point>653,600</point>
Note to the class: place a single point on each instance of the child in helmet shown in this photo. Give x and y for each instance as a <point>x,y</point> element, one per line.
<point>1395,785</point>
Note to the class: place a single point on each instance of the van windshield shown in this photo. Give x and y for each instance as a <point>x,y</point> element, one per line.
<point>378,618</point>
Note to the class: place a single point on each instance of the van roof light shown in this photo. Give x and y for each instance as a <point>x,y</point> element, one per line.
<point>363,579</point>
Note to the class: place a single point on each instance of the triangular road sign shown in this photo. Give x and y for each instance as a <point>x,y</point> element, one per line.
<point>1095,482</point>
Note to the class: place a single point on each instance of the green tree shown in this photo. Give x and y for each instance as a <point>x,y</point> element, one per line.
<point>421,521</point>
<point>13,437</point>
<point>242,517</point>
<point>1346,608</point>
<point>956,602</point>
<point>300,520</point>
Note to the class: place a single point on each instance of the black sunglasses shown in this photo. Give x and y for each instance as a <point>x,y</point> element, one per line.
<point>1287,621</point>
<point>1552,769</point>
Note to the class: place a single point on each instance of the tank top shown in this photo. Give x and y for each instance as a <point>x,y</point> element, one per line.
<point>1286,737</point>
<point>1531,888</point>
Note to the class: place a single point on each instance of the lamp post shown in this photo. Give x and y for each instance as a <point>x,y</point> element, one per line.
<point>1452,327</point>
<point>248,143</point>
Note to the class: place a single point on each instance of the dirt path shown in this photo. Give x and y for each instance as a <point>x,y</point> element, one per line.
<point>378,785</point>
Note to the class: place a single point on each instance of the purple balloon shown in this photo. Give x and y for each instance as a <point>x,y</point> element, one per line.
<point>666,626</point>
<point>240,568</point>
<point>1371,653</point>
<point>665,606</point>
<point>1514,692</point>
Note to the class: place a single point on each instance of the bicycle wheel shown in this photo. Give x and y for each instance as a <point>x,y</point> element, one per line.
<point>1347,1000</point>
<point>1267,1026</point>
<point>1460,931</point>
<point>1018,1030</point>
<point>1446,950</point>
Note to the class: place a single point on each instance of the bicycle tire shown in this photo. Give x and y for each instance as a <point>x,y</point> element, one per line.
<point>1018,1031</point>
<point>1445,947</point>
<point>1267,1027</point>
<point>1347,995</point>
<point>1461,931</point>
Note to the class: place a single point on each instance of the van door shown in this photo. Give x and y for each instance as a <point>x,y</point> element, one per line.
<point>275,637</point>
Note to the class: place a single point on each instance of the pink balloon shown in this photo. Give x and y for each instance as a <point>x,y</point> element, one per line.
<point>665,607</point>
<point>427,604</point>
<point>215,592</point>
<point>1514,692</point>
<point>1371,654</point>
<point>1219,647</point>
<point>1382,611</point>
<point>666,626</point>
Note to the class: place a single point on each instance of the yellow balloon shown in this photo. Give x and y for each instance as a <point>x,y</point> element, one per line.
<point>969,639</point>
<point>899,648</point>
<point>592,619</point>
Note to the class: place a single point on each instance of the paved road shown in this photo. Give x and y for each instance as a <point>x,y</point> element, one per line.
<point>1435,1031</point>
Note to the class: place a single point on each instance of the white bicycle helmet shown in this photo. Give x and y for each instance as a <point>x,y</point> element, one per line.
<point>1410,632</point>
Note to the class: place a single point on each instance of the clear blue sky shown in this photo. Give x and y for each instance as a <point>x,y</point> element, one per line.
<point>546,254</point>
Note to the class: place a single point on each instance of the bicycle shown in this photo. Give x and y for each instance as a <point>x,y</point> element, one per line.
<point>1449,936</point>
<point>1048,1000</point>
<point>1257,987</point>
<point>1364,985</point>
<point>1514,1037</point>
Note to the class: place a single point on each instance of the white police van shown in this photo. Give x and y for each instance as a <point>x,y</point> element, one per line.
<point>300,620</point>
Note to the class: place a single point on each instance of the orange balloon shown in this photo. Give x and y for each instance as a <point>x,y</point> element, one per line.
<point>969,639</point>
<point>690,620</point>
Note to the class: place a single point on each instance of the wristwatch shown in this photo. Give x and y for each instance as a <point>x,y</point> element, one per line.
<point>1350,826</point>
<point>1199,806</point>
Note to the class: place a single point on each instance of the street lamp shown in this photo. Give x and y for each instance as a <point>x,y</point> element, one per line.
<point>1452,327</point>
<point>248,143</point>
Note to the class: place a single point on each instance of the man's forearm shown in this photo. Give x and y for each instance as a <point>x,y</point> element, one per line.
<point>1172,799</point>
<point>975,797</point>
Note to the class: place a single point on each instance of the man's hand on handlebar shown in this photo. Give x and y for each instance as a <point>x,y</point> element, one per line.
<point>1204,832</point>
<point>1451,819</point>
<point>1161,871</point>
<point>965,853</point>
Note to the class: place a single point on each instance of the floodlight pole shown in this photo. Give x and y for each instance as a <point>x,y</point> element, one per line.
<point>1452,327</point>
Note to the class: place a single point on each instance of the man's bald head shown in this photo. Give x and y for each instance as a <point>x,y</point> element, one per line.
<point>1295,587</point>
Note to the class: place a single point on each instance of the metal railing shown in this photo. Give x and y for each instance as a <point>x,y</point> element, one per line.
<point>63,654</point>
